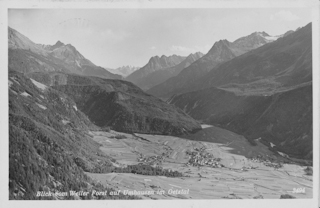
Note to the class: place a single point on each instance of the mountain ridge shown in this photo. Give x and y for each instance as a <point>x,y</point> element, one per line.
<point>159,76</point>
<point>288,61</point>
<point>155,63</point>
<point>57,57</point>
<point>220,52</point>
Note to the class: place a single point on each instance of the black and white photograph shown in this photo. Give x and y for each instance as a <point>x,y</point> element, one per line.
<point>178,103</point>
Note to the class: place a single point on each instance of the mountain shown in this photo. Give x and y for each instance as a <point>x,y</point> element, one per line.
<point>283,118</point>
<point>119,104</point>
<point>18,41</point>
<point>220,52</point>
<point>162,75</point>
<point>28,56</point>
<point>49,144</point>
<point>124,70</point>
<point>285,62</point>
<point>265,93</point>
<point>155,63</point>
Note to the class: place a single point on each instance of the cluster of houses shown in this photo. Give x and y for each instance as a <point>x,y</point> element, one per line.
<point>267,162</point>
<point>273,165</point>
<point>248,168</point>
<point>201,158</point>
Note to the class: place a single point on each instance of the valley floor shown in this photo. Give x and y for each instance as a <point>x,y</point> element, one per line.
<point>239,170</point>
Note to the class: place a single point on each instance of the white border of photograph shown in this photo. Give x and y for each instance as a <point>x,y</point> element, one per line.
<point>263,203</point>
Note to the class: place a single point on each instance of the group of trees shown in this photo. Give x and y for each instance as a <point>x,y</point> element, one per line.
<point>38,163</point>
<point>147,170</point>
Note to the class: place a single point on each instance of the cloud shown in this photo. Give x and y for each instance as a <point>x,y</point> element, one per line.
<point>152,47</point>
<point>284,15</point>
<point>203,49</point>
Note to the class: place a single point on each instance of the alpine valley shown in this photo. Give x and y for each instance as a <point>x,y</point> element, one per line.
<point>234,123</point>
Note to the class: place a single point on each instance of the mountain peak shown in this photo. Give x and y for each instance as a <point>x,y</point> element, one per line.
<point>155,63</point>
<point>18,41</point>
<point>163,56</point>
<point>219,46</point>
<point>154,57</point>
<point>196,55</point>
<point>262,34</point>
<point>58,43</point>
<point>224,41</point>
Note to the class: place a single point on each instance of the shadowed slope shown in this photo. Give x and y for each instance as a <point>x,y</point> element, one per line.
<point>283,118</point>
<point>120,105</point>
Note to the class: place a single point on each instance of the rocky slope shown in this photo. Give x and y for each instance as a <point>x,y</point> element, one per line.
<point>162,75</point>
<point>120,105</point>
<point>155,63</point>
<point>30,57</point>
<point>220,52</point>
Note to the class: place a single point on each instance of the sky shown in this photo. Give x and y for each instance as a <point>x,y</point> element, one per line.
<point>118,37</point>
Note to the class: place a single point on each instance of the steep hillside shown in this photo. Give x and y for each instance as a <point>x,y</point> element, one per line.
<point>162,75</point>
<point>120,105</point>
<point>220,52</point>
<point>155,63</point>
<point>283,118</point>
<point>27,56</point>
<point>49,145</point>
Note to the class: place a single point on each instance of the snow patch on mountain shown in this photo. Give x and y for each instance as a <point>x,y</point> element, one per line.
<point>41,106</point>
<point>25,94</point>
<point>10,83</point>
<point>39,85</point>
<point>268,37</point>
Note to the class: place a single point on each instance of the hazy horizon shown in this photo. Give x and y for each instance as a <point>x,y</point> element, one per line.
<point>119,37</point>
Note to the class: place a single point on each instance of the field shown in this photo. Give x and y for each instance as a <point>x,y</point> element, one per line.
<point>216,163</point>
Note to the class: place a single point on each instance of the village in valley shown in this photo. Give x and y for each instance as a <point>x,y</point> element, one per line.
<point>199,157</point>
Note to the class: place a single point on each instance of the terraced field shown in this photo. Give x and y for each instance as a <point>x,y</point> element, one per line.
<point>239,177</point>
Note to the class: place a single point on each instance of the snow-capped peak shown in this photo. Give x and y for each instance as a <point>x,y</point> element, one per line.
<point>268,37</point>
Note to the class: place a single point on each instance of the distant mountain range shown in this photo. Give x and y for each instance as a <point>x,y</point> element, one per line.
<point>123,70</point>
<point>220,52</point>
<point>158,76</point>
<point>265,93</point>
<point>31,57</point>
<point>154,64</point>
